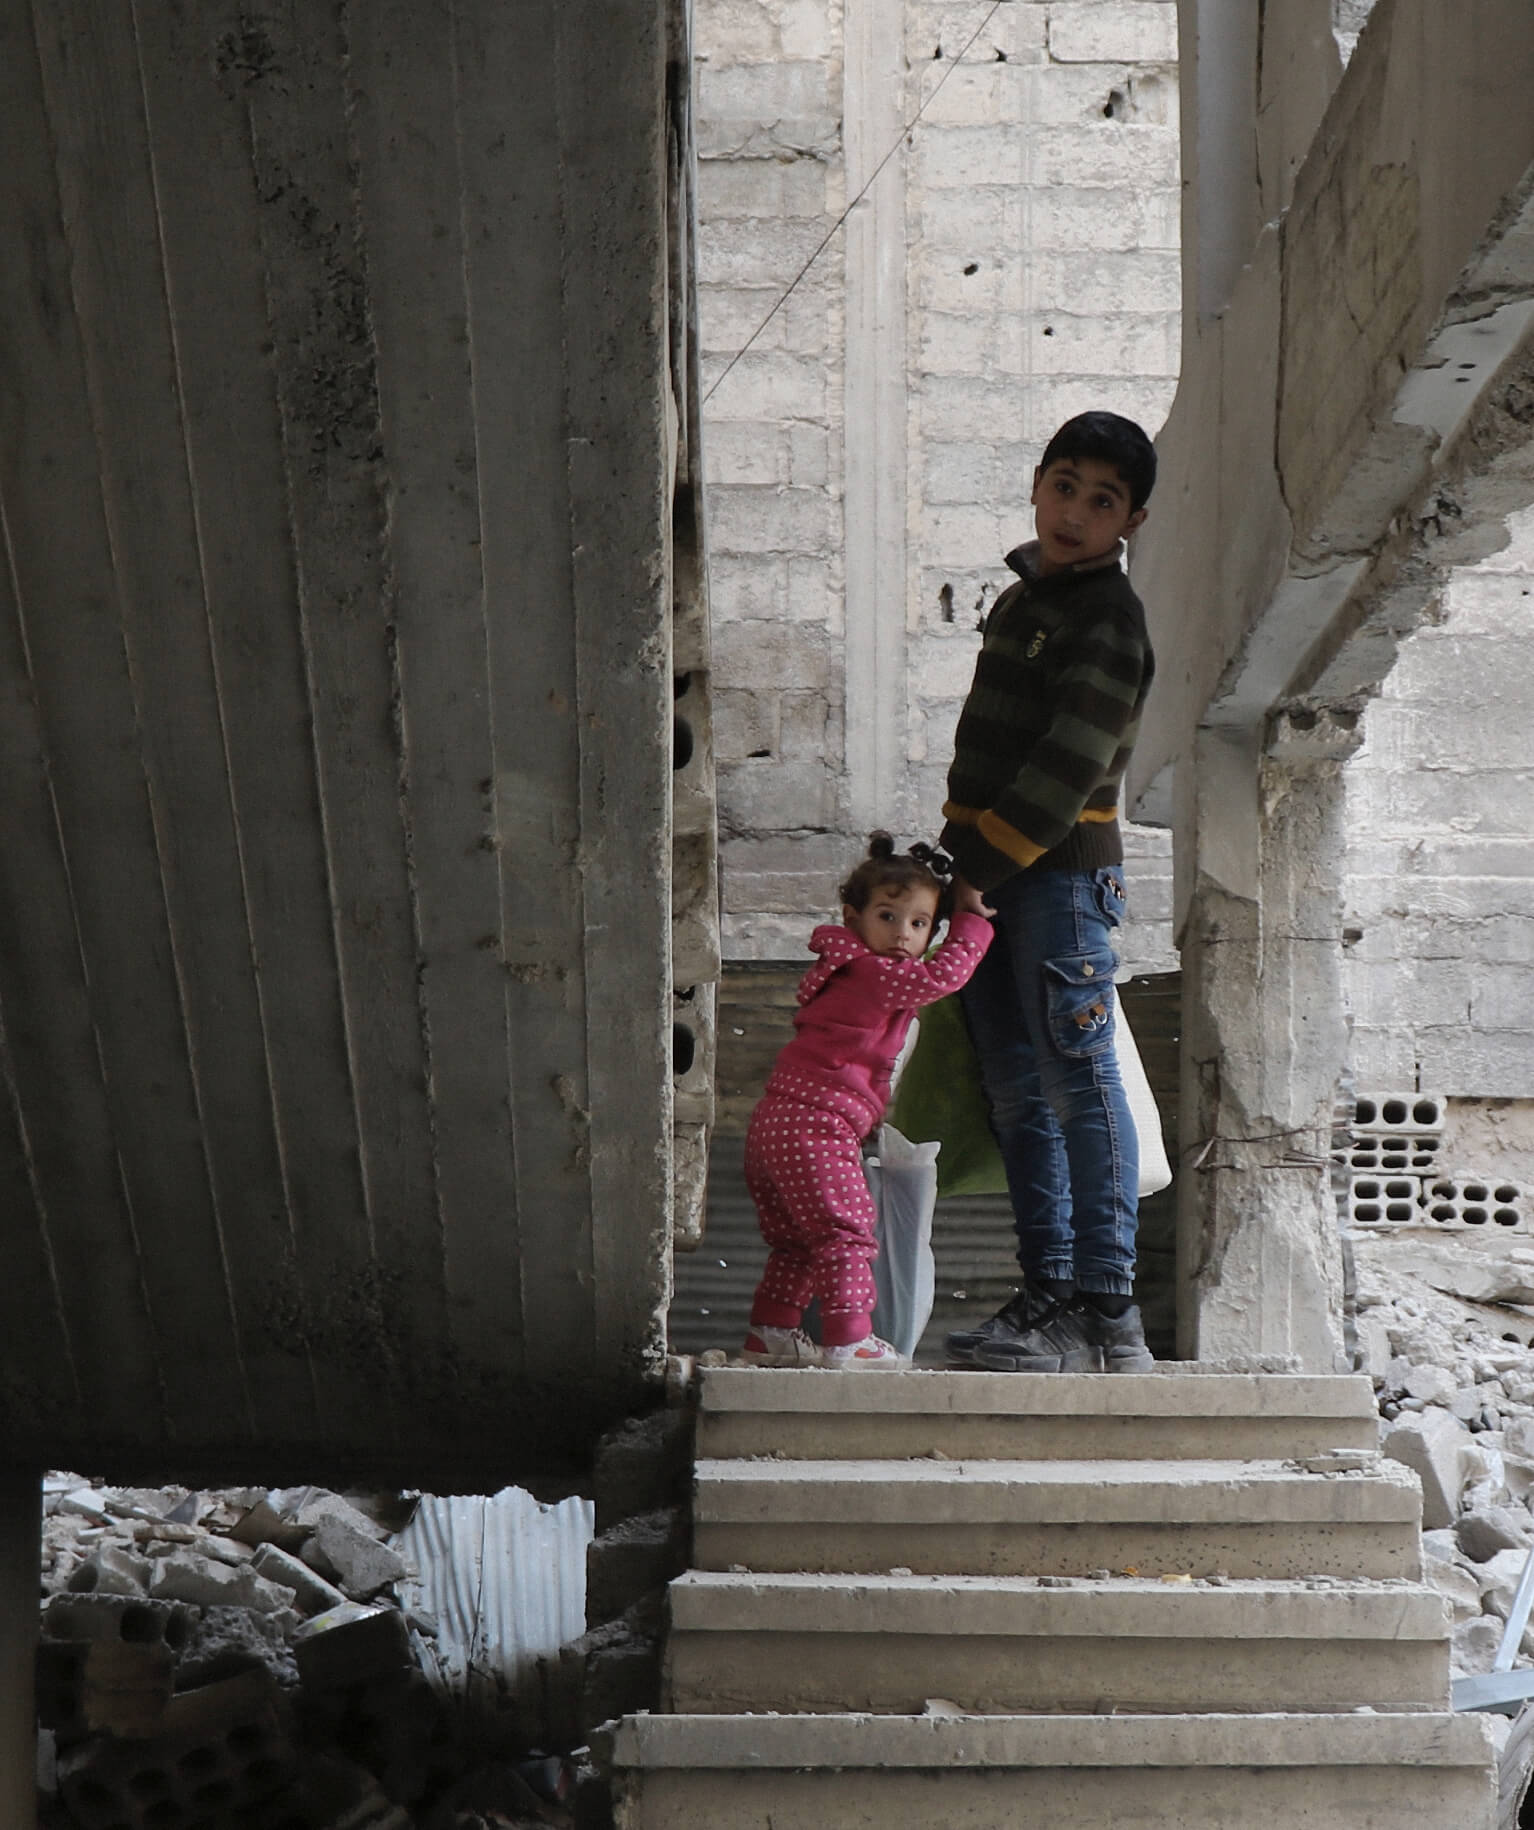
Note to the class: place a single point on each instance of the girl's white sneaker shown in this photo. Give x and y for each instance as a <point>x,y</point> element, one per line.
<point>868,1355</point>
<point>778,1347</point>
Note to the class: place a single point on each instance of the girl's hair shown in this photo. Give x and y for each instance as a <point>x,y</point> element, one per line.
<point>922,867</point>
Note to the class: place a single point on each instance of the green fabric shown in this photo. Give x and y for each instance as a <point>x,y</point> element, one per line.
<point>940,1099</point>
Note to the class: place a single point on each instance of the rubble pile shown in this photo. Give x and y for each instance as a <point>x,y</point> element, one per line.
<point>1443,1331</point>
<point>241,1660</point>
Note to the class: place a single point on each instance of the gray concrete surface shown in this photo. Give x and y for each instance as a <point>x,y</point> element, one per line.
<point>762,1642</point>
<point>351,474</point>
<point>1162,1416</point>
<point>1056,1518</point>
<point>1201,1773</point>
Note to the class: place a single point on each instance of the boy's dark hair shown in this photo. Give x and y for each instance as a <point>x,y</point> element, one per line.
<point>922,867</point>
<point>1111,439</point>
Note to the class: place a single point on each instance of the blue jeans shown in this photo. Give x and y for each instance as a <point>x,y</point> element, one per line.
<point>1041,1012</point>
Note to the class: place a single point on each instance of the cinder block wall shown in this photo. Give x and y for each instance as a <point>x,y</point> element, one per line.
<point>869,461</point>
<point>1439,941</point>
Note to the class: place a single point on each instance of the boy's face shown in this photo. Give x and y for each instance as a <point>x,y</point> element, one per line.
<point>1080,511</point>
<point>895,921</point>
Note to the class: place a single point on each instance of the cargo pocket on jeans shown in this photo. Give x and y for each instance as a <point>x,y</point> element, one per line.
<point>1111,900</point>
<point>1079,993</point>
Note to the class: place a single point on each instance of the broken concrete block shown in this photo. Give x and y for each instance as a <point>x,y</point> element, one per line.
<point>1499,1576</point>
<point>265,1523</point>
<point>139,1623</point>
<point>1482,1534</point>
<point>642,1464</point>
<point>111,1569</point>
<point>185,1575</point>
<point>353,1557</point>
<point>1374,1339</point>
<point>225,1642</point>
<point>316,1503</point>
<point>1433,1384</point>
<point>351,1645</point>
<point>221,1751</point>
<point>103,1686</point>
<point>314,1594</point>
<point>1473,1646</point>
<point>637,1556</point>
<point>1432,1445</point>
<point>1456,1584</point>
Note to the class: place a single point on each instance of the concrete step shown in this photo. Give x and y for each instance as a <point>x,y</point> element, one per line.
<point>1170,1415</point>
<point>995,1645</point>
<point>859,1772</point>
<point>1057,1518</point>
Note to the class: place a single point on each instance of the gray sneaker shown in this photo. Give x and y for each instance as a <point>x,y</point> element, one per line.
<point>1057,1342</point>
<point>1073,1337</point>
<point>1022,1311</point>
<point>1120,1340</point>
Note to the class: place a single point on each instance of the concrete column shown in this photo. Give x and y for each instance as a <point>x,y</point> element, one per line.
<point>21,1525</point>
<point>875,500</point>
<point>1264,1039</point>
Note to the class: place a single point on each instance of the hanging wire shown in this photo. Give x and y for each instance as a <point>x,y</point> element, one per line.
<point>783,297</point>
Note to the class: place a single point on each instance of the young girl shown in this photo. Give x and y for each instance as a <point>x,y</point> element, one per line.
<point>828,1090</point>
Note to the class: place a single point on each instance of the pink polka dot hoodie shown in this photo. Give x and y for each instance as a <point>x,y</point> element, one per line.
<point>855,1007</point>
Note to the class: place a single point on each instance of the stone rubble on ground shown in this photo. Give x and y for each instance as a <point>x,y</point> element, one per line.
<point>1455,1384</point>
<point>241,1657</point>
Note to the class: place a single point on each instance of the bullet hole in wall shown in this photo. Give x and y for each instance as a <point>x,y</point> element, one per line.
<point>973,267</point>
<point>937,54</point>
<point>1049,330</point>
<point>1001,56</point>
<point>945,603</point>
<point>1116,106</point>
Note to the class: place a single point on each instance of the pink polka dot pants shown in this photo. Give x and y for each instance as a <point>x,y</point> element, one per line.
<point>804,1168</point>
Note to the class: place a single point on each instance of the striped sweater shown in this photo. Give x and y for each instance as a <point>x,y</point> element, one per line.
<point>1051,719</point>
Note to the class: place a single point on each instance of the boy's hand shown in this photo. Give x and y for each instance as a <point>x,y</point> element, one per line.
<point>967,900</point>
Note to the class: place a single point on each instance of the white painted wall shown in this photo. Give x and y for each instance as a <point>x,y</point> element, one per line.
<point>869,461</point>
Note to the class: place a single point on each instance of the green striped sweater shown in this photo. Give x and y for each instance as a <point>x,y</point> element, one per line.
<point>1051,719</point>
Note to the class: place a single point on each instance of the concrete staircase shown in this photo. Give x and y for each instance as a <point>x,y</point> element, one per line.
<point>969,1601</point>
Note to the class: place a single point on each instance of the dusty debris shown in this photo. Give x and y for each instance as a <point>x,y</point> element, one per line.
<point>1455,1385</point>
<point>253,1644</point>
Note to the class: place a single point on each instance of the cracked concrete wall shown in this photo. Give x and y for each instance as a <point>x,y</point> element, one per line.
<point>341,441</point>
<point>869,460</point>
<point>1317,468</point>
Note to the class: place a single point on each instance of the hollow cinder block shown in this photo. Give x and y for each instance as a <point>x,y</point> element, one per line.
<point>223,1750</point>
<point>121,1617</point>
<point>1391,1153</point>
<point>1398,1114</point>
<point>1468,1202</point>
<point>1384,1201</point>
<point>103,1686</point>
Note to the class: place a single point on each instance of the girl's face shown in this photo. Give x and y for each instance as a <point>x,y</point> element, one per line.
<point>895,920</point>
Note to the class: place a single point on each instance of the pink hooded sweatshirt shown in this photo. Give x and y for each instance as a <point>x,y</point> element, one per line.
<point>855,1007</point>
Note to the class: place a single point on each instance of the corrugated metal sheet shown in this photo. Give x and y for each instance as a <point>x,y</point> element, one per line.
<point>505,1579</point>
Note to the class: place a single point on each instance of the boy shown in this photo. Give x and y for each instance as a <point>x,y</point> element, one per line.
<point>1032,825</point>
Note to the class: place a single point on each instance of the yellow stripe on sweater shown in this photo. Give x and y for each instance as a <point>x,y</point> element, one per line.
<point>1008,840</point>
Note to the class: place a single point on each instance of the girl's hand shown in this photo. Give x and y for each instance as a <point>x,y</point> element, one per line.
<point>967,900</point>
